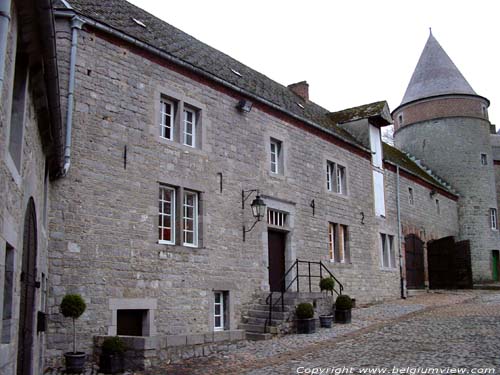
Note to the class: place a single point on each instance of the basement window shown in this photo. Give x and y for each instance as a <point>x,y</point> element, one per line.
<point>131,322</point>
<point>221,316</point>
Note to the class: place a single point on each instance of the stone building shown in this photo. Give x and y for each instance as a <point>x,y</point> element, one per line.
<point>170,142</point>
<point>30,155</point>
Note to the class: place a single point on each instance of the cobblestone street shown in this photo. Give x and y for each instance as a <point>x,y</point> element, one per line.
<point>454,329</point>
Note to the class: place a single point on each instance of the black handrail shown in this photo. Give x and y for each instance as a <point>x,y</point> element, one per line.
<point>285,287</point>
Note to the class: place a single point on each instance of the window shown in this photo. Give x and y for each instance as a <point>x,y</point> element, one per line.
<point>338,250</point>
<point>190,219</point>
<point>388,257</point>
<point>493,218</point>
<point>166,219</point>
<point>8,289</point>
<point>276,157</point>
<point>18,108</point>
<point>167,114</point>
<point>336,178</point>
<point>221,319</point>
<point>410,196</point>
<point>438,209</point>
<point>275,217</point>
<point>187,217</point>
<point>484,159</point>
<point>400,119</point>
<point>189,127</point>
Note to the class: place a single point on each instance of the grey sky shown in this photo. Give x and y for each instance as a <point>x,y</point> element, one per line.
<point>350,52</point>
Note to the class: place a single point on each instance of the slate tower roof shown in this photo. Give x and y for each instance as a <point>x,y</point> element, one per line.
<point>435,75</point>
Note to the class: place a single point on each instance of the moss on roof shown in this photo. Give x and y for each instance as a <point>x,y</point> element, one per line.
<point>395,156</point>
<point>358,113</point>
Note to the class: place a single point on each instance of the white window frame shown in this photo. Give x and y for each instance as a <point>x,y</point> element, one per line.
<point>387,254</point>
<point>186,218</point>
<point>493,219</point>
<point>275,148</point>
<point>336,180</point>
<point>193,127</point>
<point>221,326</point>
<point>163,116</point>
<point>337,238</point>
<point>162,215</point>
<point>276,218</point>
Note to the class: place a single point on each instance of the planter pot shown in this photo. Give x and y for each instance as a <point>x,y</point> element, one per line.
<point>326,321</point>
<point>111,363</point>
<point>75,362</point>
<point>343,316</point>
<point>306,325</point>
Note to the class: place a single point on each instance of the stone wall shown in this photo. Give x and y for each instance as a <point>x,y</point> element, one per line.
<point>104,235</point>
<point>16,189</point>
<point>452,148</point>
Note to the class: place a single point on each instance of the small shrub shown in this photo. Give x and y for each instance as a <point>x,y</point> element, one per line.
<point>343,302</point>
<point>72,306</point>
<point>304,311</point>
<point>113,345</point>
<point>327,284</point>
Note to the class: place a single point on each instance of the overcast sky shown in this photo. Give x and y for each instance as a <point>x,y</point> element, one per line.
<point>350,52</point>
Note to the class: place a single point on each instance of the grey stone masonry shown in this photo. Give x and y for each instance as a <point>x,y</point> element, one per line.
<point>104,226</point>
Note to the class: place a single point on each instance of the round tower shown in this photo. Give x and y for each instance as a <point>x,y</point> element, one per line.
<point>444,123</point>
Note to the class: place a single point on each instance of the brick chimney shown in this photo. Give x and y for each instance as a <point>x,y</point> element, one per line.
<point>301,89</point>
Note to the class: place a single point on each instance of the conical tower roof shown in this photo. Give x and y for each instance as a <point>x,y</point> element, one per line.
<point>435,75</point>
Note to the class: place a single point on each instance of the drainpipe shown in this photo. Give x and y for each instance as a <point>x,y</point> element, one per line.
<point>4,31</point>
<point>402,280</point>
<point>76,24</point>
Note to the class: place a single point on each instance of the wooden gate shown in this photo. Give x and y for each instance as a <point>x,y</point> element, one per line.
<point>449,264</point>
<point>414,258</point>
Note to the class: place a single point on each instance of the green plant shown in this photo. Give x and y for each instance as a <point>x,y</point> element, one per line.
<point>343,302</point>
<point>113,345</point>
<point>73,306</point>
<point>304,311</point>
<point>327,283</point>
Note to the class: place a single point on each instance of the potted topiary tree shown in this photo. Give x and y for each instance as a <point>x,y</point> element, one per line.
<point>343,306</point>
<point>72,306</point>
<point>326,284</point>
<point>305,318</point>
<point>111,358</point>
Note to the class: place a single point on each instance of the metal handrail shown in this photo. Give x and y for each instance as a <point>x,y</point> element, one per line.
<point>269,299</point>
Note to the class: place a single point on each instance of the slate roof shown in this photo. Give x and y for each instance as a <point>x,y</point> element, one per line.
<point>435,74</point>
<point>372,110</point>
<point>120,15</point>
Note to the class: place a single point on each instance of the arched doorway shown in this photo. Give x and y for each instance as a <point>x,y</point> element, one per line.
<point>27,301</point>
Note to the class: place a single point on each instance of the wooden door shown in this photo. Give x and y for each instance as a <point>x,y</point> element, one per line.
<point>414,258</point>
<point>27,301</point>
<point>441,260</point>
<point>276,243</point>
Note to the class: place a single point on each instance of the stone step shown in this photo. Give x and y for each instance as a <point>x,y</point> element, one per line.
<point>265,314</point>
<point>252,327</point>
<point>489,286</point>
<point>276,308</point>
<point>258,336</point>
<point>262,321</point>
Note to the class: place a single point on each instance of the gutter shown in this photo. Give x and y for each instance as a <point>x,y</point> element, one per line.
<point>5,6</point>
<point>155,51</point>
<point>398,206</point>
<point>76,24</point>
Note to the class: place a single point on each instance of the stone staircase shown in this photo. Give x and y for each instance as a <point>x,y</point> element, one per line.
<point>283,322</point>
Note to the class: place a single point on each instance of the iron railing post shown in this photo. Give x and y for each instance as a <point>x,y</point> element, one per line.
<point>298,277</point>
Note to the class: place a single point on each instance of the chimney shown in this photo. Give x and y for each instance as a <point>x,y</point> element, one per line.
<point>301,89</point>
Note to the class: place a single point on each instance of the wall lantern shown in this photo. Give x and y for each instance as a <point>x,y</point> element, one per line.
<point>244,105</point>
<point>433,193</point>
<point>258,208</point>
